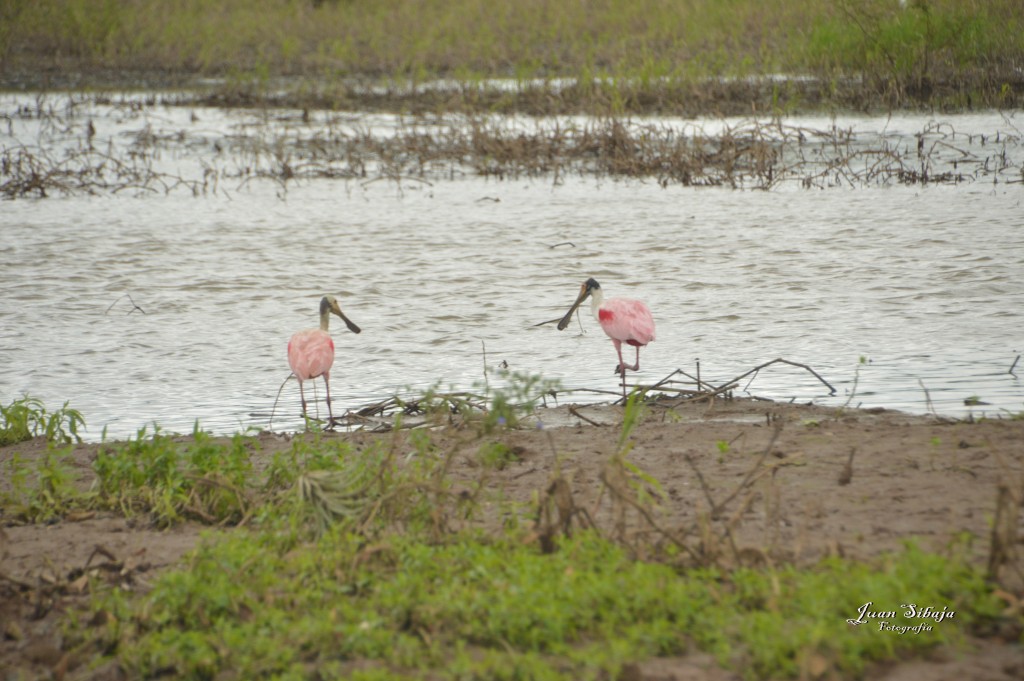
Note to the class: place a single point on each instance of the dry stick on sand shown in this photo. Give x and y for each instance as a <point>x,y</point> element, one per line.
<point>574,412</point>
<point>558,494</point>
<point>618,491</point>
<point>1005,535</point>
<point>1004,532</point>
<point>717,508</point>
<point>756,472</point>
<point>846,476</point>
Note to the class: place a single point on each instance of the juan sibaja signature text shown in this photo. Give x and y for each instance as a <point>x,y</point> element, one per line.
<point>900,621</point>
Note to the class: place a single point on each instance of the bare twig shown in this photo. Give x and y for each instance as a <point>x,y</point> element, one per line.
<point>779,360</point>
<point>483,350</point>
<point>927,398</point>
<point>574,412</point>
<point>134,305</point>
<point>1003,538</point>
<point>273,410</point>
<point>703,483</point>
<point>846,476</point>
<point>623,496</point>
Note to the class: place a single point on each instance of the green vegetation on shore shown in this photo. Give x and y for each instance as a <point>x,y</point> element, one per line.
<point>261,605</point>
<point>374,557</point>
<point>615,55</point>
<point>27,417</point>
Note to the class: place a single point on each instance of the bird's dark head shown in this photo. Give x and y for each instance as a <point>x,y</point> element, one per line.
<point>591,285</point>
<point>329,304</point>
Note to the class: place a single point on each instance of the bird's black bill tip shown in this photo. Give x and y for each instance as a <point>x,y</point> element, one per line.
<point>568,316</point>
<point>584,293</point>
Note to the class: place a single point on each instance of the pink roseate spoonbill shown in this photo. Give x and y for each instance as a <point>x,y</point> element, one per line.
<point>624,320</point>
<point>311,351</point>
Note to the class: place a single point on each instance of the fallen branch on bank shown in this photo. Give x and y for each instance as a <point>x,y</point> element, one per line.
<point>461,408</point>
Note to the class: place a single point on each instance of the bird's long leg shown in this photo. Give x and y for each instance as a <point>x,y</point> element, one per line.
<point>330,414</point>
<point>622,365</point>
<point>636,367</point>
<point>302,396</point>
<point>621,369</point>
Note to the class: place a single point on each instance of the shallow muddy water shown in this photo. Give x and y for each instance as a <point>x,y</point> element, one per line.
<point>926,283</point>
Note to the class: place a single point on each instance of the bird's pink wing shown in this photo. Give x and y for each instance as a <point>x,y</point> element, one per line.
<point>310,353</point>
<point>627,320</point>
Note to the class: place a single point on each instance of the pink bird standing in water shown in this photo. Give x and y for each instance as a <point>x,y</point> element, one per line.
<point>311,351</point>
<point>624,320</point>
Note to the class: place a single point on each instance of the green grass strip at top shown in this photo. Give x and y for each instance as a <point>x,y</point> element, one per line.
<point>259,605</point>
<point>974,44</point>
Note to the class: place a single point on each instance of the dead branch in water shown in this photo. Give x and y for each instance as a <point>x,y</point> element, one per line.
<point>707,391</point>
<point>697,380</point>
<point>135,305</point>
<point>756,154</point>
<point>927,398</point>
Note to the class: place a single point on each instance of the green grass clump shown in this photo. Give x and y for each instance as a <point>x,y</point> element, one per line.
<point>42,492</point>
<point>255,605</point>
<point>169,478</point>
<point>907,51</point>
<point>48,489</point>
<point>172,480</point>
<point>26,418</point>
